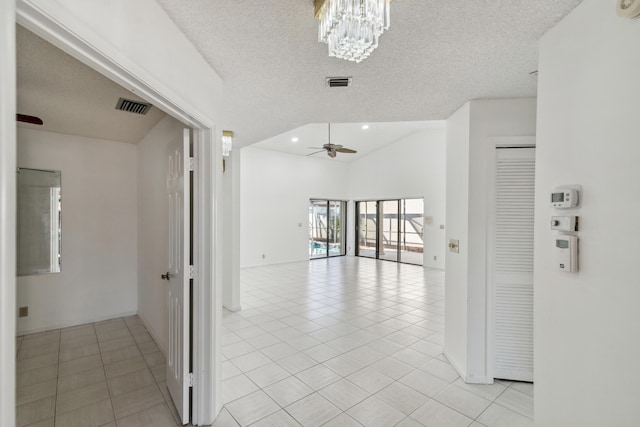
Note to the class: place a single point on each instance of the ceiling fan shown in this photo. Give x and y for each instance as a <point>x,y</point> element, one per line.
<point>331,149</point>
<point>29,119</point>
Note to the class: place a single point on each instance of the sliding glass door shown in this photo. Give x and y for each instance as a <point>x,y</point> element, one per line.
<point>391,230</point>
<point>327,220</point>
<point>367,220</point>
<point>411,245</point>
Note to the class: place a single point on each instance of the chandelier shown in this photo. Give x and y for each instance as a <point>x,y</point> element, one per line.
<point>351,27</point>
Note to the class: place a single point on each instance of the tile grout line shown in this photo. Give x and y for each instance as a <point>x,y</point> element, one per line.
<point>363,345</point>
<point>55,401</point>
<point>104,371</point>
<point>155,381</point>
<point>518,391</point>
<point>157,384</point>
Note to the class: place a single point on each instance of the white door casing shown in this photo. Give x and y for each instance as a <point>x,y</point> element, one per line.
<point>512,269</point>
<point>179,193</point>
<point>82,35</point>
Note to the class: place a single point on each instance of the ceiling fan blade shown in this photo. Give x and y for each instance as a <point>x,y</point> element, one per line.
<point>346,150</point>
<point>29,119</point>
<point>316,148</point>
<point>315,152</point>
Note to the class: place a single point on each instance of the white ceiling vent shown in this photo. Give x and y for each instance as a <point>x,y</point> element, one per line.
<point>133,106</point>
<point>338,81</point>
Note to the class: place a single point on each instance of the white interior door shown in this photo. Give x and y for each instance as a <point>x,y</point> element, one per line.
<point>178,187</point>
<point>513,264</point>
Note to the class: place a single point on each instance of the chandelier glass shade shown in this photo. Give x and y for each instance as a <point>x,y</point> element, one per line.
<point>227,142</point>
<point>351,27</point>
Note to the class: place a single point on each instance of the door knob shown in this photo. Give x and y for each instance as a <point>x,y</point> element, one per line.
<point>165,276</point>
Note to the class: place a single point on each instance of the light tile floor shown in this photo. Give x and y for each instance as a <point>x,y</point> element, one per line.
<point>102,374</point>
<point>351,342</point>
<point>339,342</point>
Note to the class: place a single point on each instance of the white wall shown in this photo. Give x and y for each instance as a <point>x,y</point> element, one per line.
<point>99,242</point>
<point>152,227</point>
<point>490,122</point>
<point>274,214</point>
<point>457,227</point>
<point>413,167</point>
<point>587,337</point>
<point>230,211</point>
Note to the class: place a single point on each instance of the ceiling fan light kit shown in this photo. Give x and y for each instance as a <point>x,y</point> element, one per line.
<point>628,8</point>
<point>351,28</point>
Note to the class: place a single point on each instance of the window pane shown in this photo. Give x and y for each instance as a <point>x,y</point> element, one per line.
<point>336,228</point>
<point>412,231</point>
<point>327,228</point>
<point>367,229</point>
<point>390,230</point>
<point>318,219</point>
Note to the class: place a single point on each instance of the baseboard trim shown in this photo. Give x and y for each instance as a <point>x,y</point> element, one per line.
<point>234,309</point>
<point>464,376</point>
<point>461,373</point>
<point>73,323</point>
<point>161,344</point>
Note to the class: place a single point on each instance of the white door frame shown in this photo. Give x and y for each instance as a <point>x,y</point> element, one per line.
<point>7,214</point>
<point>206,395</point>
<point>493,144</point>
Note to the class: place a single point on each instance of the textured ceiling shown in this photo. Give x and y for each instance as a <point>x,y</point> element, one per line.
<point>350,135</point>
<point>72,98</point>
<point>437,55</point>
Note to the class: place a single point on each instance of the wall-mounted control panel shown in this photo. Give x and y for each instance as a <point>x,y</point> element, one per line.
<point>565,244</point>
<point>567,253</point>
<point>565,197</point>
<point>564,223</point>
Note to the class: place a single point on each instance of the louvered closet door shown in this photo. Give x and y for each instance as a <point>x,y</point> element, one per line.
<point>513,264</point>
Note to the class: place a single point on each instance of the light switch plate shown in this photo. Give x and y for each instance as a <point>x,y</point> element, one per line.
<point>564,223</point>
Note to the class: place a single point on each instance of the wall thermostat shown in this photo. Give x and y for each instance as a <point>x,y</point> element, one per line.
<point>567,253</point>
<point>564,197</point>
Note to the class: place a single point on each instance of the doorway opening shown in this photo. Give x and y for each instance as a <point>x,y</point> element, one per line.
<point>391,230</point>
<point>201,387</point>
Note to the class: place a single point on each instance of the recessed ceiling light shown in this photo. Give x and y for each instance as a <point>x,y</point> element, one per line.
<point>365,127</point>
<point>294,139</point>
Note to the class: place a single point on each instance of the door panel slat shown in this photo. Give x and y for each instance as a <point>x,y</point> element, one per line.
<point>513,264</point>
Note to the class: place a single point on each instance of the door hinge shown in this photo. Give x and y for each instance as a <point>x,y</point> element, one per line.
<point>192,163</point>
<point>190,379</point>
<point>192,272</point>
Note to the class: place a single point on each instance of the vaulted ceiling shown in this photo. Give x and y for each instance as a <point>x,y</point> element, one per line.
<point>365,138</point>
<point>437,55</point>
